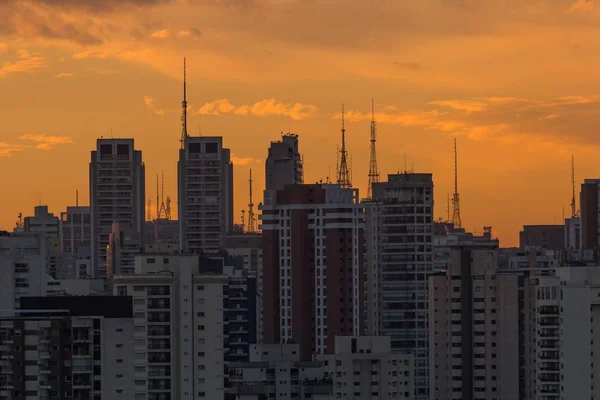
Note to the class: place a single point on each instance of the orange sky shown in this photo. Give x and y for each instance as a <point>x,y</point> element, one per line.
<point>515,81</point>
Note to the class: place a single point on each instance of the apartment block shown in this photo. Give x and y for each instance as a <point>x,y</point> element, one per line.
<point>550,237</point>
<point>27,265</point>
<point>190,319</point>
<point>75,228</point>
<point>117,194</point>
<point>590,223</point>
<point>313,267</point>
<point>474,329</point>
<point>364,367</point>
<point>205,188</point>
<point>530,261</point>
<point>399,252</point>
<point>68,348</point>
<point>42,222</point>
<point>275,371</point>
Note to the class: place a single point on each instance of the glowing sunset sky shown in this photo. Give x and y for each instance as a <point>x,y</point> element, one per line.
<point>515,81</point>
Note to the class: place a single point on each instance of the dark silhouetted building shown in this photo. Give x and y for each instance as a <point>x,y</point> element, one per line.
<point>551,237</point>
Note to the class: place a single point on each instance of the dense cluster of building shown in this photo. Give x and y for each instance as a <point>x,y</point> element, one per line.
<point>332,297</point>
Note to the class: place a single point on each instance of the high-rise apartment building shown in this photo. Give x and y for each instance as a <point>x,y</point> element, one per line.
<point>190,318</point>
<point>205,188</point>
<point>68,348</point>
<point>117,194</point>
<point>313,267</point>
<point>75,228</point>
<point>284,163</point>
<point>590,223</point>
<point>474,329</point>
<point>364,367</point>
<point>42,222</point>
<point>399,249</point>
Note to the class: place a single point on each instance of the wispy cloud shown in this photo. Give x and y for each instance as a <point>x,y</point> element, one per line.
<point>26,63</point>
<point>63,75</point>
<point>467,106</point>
<point>7,149</point>
<point>149,102</point>
<point>90,54</point>
<point>411,66</point>
<point>186,33</point>
<point>237,160</point>
<point>46,142</point>
<point>267,107</point>
<point>161,34</point>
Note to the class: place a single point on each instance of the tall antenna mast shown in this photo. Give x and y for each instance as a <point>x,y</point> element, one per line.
<point>455,199</point>
<point>184,134</point>
<point>573,206</point>
<point>157,200</point>
<point>373,172</point>
<point>343,175</point>
<point>448,207</point>
<point>251,225</point>
<point>149,211</point>
<point>243,221</point>
<point>76,197</point>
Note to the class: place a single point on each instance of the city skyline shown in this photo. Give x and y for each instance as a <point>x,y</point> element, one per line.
<point>517,119</point>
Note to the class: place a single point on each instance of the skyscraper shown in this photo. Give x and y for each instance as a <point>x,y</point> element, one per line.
<point>284,163</point>
<point>399,226</point>
<point>205,187</point>
<point>313,267</point>
<point>117,194</point>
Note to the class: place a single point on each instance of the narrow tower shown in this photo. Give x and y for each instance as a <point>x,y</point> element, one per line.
<point>573,204</point>
<point>184,134</point>
<point>251,219</point>
<point>455,199</point>
<point>373,173</point>
<point>343,174</point>
<point>162,208</point>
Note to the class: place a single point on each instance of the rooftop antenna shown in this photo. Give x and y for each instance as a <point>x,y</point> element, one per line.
<point>573,205</point>
<point>76,197</point>
<point>184,134</point>
<point>343,175</point>
<point>448,207</point>
<point>157,200</point>
<point>455,199</point>
<point>251,225</point>
<point>168,208</point>
<point>373,172</point>
<point>20,220</point>
<point>161,211</point>
<point>149,211</point>
<point>243,221</point>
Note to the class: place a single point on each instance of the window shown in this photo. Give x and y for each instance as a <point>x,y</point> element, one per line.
<point>200,354</point>
<point>201,327</point>
<point>211,147</point>
<point>200,287</point>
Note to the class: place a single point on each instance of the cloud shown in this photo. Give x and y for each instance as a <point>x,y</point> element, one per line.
<point>161,34</point>
<point>508,120</point>
<point>27,63</point>
<point>3,47</point>
<point>244,160</point>
<point>90,54</point>
<point>467,106</point>
<point>186,33</point>
<point>45,142</point>
<point>7,149</point>
<point>63,75</point>
<point>149,102</point>
<point>263,108</point>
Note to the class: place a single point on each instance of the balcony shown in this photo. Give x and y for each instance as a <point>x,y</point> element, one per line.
<point>317,386</point>
<point>251,387</point>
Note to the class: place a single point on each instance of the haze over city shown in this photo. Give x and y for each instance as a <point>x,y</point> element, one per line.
<point>515,82</point>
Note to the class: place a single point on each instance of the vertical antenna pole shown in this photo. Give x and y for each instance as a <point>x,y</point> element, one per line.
<point>184,134</point>
<point>76,197</point>
<point>456,200</point>
<point>573,205</point>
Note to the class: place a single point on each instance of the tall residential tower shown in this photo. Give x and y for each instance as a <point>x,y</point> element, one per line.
<point>117,194</point>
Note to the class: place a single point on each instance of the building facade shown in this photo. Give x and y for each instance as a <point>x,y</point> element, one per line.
<point>399,248</point>
<point>313,267</point>
<point>124,243</point>
<point>550,237</point>
<point>117,194</point>
<point>42,222</point>
<point>275,371</point>
<point>474,329</point>
<point>75,228</point>
<point>364,367</point>
<point>284,163</point>
<point>68,348</point>
<point>205,188</point>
